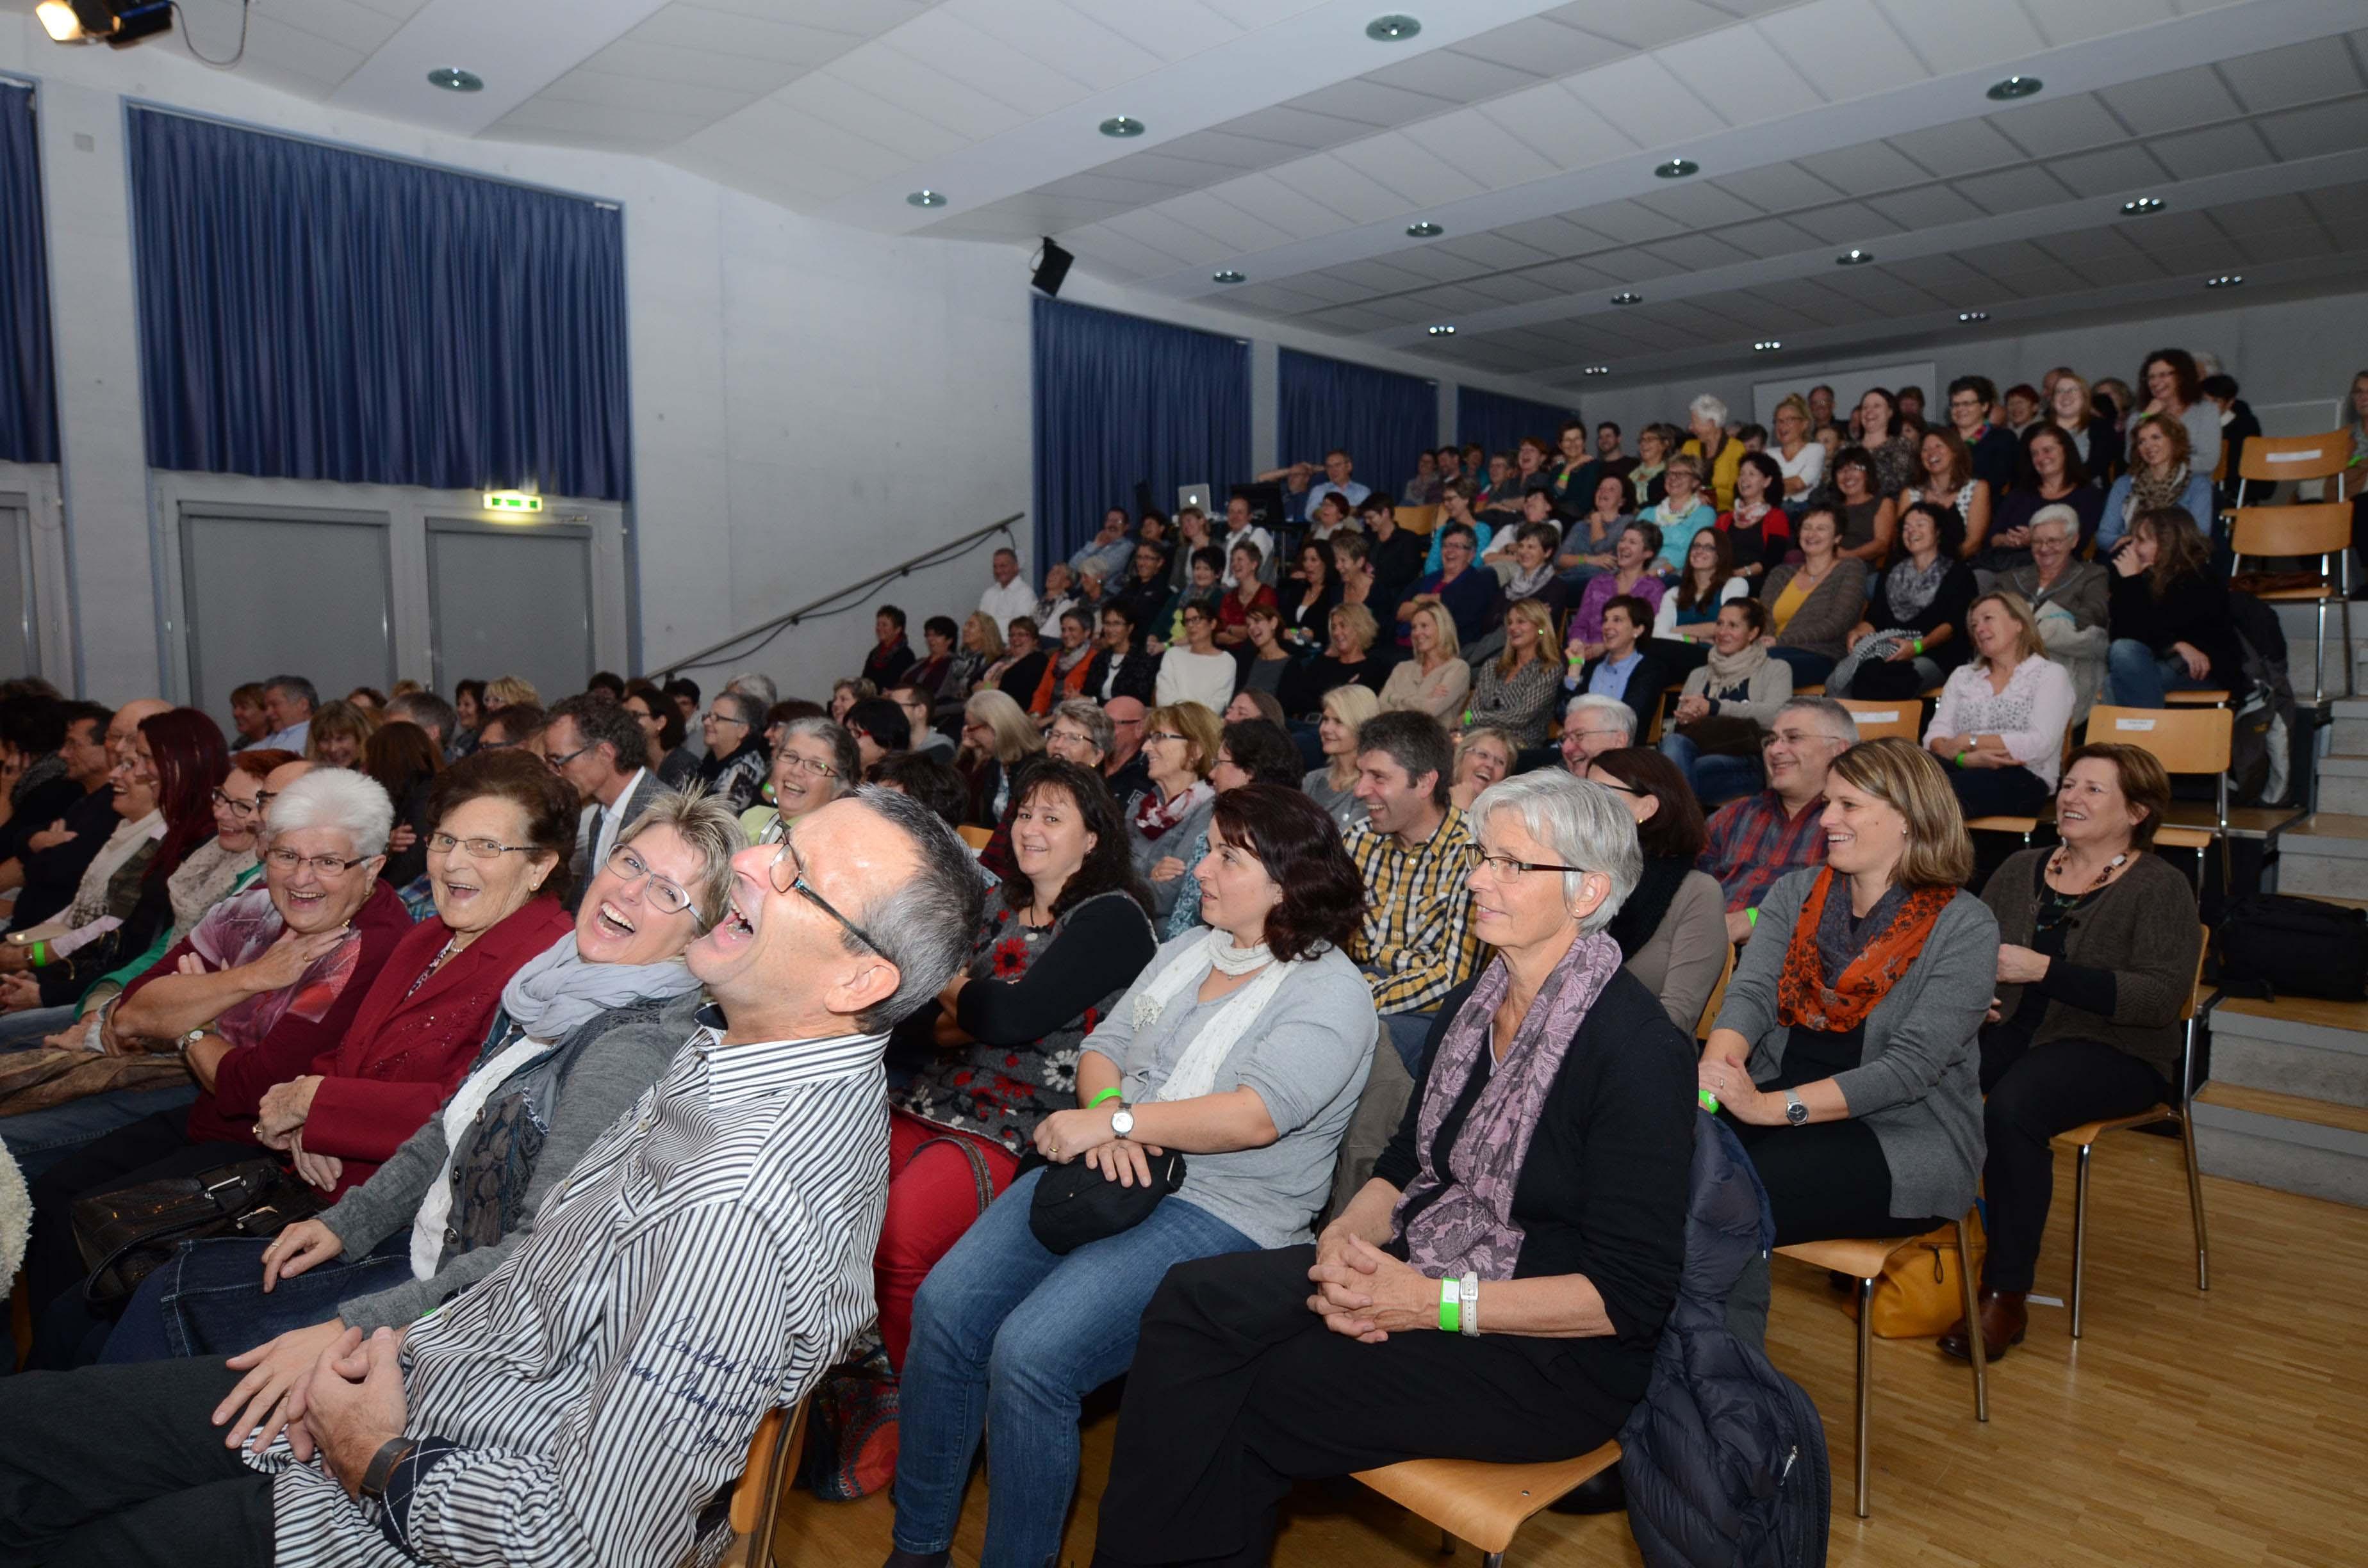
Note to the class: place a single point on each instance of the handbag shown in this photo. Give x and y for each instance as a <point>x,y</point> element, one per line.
<point>1725,735</point>
<point>1075,1203</point>
<point>2273,942</point>
<point>123,1235</point>
<point>1917,1295</point>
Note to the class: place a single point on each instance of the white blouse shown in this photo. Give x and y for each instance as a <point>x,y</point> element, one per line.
<point>2030,715</point>
<point>1809,467</point>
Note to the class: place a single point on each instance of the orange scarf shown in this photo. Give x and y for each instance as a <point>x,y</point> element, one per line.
<point>1804,998</point>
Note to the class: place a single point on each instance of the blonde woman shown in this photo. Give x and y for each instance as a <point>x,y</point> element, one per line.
<point>998,740</point>
<point>1999,725</point>
<point>1683,509</point>
<point>1346,659</point>
<point>1516,689</point>
<point>1333,786</point>
<point>2075,412</point>
<point>1180,748</point>
<point>1483,754</point>
<point>1800,456</point>
<point>511,691</point>
<point>1435,679</point>
<point>340,731</point>
<point>2160,476</point>
<point>982,645</point>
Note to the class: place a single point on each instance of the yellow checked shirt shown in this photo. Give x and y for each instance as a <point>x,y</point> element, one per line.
<point>1416,942</point>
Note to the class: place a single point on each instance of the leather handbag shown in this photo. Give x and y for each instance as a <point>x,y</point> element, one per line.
<point>1075,1203</point>
<point>1917,1296</point>
<point>125,1234</point>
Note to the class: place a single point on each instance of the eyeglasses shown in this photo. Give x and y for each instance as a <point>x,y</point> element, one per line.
<point>1151,735</point>
<point>1505,869</point>
<point>478,849</point>
<point>1071,737</point>
<point>240,808</point>
<point>323,866</point>
<point>793,762</point>
<point>798,885</point>
<point>557,763</point>
<point>717,715</point>
<point>1118,723</point>
<point>669,899</point>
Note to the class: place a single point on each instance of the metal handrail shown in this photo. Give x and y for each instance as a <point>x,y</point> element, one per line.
<point>931,557</point>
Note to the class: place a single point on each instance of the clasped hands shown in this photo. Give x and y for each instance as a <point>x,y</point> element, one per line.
<point>333,1391</point>
<point>1067,1135</point>
<point>1365,1293</point>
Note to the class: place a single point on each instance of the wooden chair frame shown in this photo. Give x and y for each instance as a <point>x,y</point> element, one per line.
<point>2184,740</point>
<point>2323,530</point>
<point>756,1510</point>
<point>1906,717</point>
<point>1484,1503</point>
<point>2271,459</point>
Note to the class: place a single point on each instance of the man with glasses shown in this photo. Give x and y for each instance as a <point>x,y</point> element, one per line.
<point>735,764</point>
<point>1592,725</point>
<point>1124,768</point>
<point>1756,840</point>
<point>704,1262</point>
<point>914,701</point>
<point>599,748</point>
<point>1414,851</point>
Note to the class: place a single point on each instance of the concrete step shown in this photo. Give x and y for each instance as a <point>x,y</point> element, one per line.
<point>2284,1142</point>
<point>2343,784</point>
<point>2348,733</point>
<point>2325,854</point>
<point>2296,1045</point>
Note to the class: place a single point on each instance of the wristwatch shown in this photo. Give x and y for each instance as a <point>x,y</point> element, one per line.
<point>1795,1112</point>
<point>1122,1121</point>
<point>391,1452</point>
<point>191,1038</point>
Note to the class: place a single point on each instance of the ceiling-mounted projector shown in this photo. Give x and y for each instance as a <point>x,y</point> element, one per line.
<point>117,23</point>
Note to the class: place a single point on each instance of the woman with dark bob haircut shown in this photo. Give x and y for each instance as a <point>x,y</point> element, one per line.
<point>1672,929</point>
<point>1243,1045</point>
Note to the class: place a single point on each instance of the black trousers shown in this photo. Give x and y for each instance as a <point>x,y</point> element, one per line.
<point>66,1333</point>
<point>1998,791</point>
<point>121,1467</point>
<point>1826,1182</point>
<point>2034,1092</point>
<point>1237,1390</point>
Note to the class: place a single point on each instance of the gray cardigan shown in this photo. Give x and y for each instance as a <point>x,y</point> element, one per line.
<point>1918,1086</point>
<point>573,1094</point>
<point>1177,841</point>
<point>2143,928</point>
<point>1822,624</point>
<point>1679,963</point>
<point>2081,646</point>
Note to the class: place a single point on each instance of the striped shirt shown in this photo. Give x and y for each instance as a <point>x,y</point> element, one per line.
<point>592,1400</point>
<point>1415,943</point>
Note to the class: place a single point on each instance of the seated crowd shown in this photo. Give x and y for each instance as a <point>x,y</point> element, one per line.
<point>1256,947</point>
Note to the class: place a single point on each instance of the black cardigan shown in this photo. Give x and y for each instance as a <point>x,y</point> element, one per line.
<point>2194,609</point>
<point>1948,608</point>
<point>1603,1191</point>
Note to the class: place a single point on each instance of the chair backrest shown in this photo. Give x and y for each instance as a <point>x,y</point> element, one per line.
<point>1418,519</point>
<point>757,1496</point>
<point>975,836</point>
<point>1717,995</point>
<point>2320,528</point>
<point>2274,458</point>
<point>2184,740</point>
<point>1877,720</point>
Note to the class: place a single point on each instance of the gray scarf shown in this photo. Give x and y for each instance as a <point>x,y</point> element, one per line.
<point>1909,590</point>
<point>555,991</point>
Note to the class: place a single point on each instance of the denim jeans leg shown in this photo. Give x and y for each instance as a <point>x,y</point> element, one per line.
<point>209,1298</point>
<point>30,1027</point>
<point>1682,750</point>
<point>1077,1332</point>
<point>1718,779</point>
<point>1407,1032</point>
<point>40,1139</point>
<point>941,1402</point>
<point>2135,676</point>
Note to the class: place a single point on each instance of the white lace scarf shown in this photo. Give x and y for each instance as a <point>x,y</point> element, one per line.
<point>1195,1074</point>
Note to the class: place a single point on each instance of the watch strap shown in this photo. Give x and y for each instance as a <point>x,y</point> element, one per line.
<point>382,1465</point>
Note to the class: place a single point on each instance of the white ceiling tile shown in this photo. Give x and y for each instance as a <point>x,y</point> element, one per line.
<point>2083,247</point>
<point>1625,222</point>
<point>1734,71</point>
<point>1062,37</point>
<point>941,38</point>
<point>1093,185</point>
<point>2323,128</point>
<point>1624,265</point>
<point>1768,237</point>
<point>1377,278</point>
<point>1849,223</point>
<point>2264,214</point>
<point>1565,131</point>
<point>1573,278</point>
<point>1475,145</point>
<point>2110,169</point>
<point>1173,30</point>
<point>1697,205</point>
<point>2060,24</point>
<point>1273,203</point>
<point>1373,103</point>
<point>1427,260</point>
<point>1846,49</point>
<point>1450,301</point>
<point>342,22</point>
<point>1153,226</point>
<point>1778,187</point>
<point>863,19</point>
<point>1326,289</point>
<point>1642,24</point>
<point>1962,35</point>
<point>2012,190</point>
<point>618,121</point>
<point>1458,78</point>
<point>2291,245</point>
<point>1495,252</point>
<point>1160,166</point>
<point>1863,170</point>
<point>641,93</point>
<point>937,96</point>
<point>1295,126</point>
<point>1962,148</point>
<point>1639,93</point>
<point>2222,149</point>
<point>1251,15</point>
<point>1941,274</point>
<point>1694,252</point>
<point>1927,207</point>
<point>1223,221</point>
<point>703,26</point>
<point>2298,74</point>
<point>309,55</point>
<point>1401,166</point>
<point>656,61</point>
<point>1538,47</point>
<point>2073,123</point>
<point>2171,102</point>
<point>836,99</point>
<point>1513,288</point>
<point>1329,182</point>
<point>1228,150</point>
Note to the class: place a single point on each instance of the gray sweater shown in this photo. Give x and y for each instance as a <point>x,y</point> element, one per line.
<point>1919,1084</point>
<point>1822,624</point>
<point>587,1080</point>
<point>2142,930</point>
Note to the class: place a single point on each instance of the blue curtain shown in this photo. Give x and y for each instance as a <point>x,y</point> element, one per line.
<point>309,313</point>
<point>28,410</point>
<point>1382,420</point>
<point>1499,422</point>
<point>1121,400</point>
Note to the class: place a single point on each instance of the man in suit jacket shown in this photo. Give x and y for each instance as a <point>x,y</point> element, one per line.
<point>599,749</point>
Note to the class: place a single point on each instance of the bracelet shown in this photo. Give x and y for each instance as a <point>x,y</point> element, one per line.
<point>1961,759</point>
<point>41,954</point>
<point>1105,1095</point>
<point>1468,1292</point>
<point>1919,647</point>
<point>391,1452</point>
<point>1450,1307</point>
<point>1752,914</point>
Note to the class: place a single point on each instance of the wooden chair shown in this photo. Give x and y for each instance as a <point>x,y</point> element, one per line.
<point>1484,1503</point>
<point>1875,720</point>
<point>1717,995</point>
<point>2085,1136</point>
<point>2184,740</point>
<point>976,838</point>
<point>1418,519</point>
<point>2324,530</point>
<point>1863,1261</point>
<point>2270,459</point>
<point>756,1511</point>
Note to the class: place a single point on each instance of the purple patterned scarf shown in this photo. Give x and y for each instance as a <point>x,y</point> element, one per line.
<point>1471,1225</point>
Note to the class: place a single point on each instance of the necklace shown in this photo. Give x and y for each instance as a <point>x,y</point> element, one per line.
<point>2058,862</point>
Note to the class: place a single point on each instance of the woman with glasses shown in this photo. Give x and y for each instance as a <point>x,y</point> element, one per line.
<point>815,765</point>
<point>667,756</point>
<point>734,728</point>
<point>583,1028</point>
<point>1180,747</point>
<point>1496,1288</point>
<point>1243,1047</point>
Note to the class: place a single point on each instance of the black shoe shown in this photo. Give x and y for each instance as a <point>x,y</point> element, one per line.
<point>1603,1493</point>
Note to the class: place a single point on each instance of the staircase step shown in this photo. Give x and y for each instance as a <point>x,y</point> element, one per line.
<point>2343,784</point>
<point>2285,1142</point>
<point>2326,853</point>
<point>2298,1046</point>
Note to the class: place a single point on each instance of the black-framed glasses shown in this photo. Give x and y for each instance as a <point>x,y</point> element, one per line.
<point>793,762</point>
<point>560,761</point>
<point>667,897</point>
<point>322,865</point>
<point>721,717</point>
<point>1151,735</point>
<point>787,854</point>
<point>440,843</point>
<point>1504,867</point>
<point>238,807</point>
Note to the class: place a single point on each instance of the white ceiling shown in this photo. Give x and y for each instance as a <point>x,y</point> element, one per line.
<point>1284,143</point>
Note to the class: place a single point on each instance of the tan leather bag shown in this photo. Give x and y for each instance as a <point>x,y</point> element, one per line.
<point>1918,1296</point>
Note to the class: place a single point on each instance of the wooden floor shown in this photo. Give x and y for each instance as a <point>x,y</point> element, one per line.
<point>2184,1431</point>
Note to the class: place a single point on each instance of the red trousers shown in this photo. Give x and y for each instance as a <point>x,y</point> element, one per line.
<point>933,1198</point>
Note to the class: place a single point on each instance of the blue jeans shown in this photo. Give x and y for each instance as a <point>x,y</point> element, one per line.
<point>1407,1032</point>
<point>40,1139</point>
<point>1809,669</point>
<point>209,1299</point>
<point>2137,678</point>
<point>1006,1338</point>
<point>1716,779</point>
<point>22,1031</point>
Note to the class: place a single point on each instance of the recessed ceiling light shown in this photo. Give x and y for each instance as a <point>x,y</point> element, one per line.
<point>1227,276</point>
<point>2015,87</point>
<point>2143,205</point>
<point>1394,28</point>
<point>452,79</point>
<point>1676,169</point>
<point>1596,371</point>
<point>1627,299</point>
<point>1444,329</point>
<point>1121,125</point>
<point>1424,231</point>
<point>926,199</point>
<point>1852,258</point>
<point>1766,345</point>
<point>1970,316</point>
<point>2225,281</point>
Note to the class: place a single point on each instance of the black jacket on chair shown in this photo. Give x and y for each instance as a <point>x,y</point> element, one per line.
<point>1138,676</point>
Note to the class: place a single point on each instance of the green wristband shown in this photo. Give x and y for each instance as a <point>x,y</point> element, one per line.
<point>1961,759</point>
<point>1105,1094</point>
<point>41,954</point>
<point>1919,647</point>
<point>1752,914</point>
<point>1451,1309</point>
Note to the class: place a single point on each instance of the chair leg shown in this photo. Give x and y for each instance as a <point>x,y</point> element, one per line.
<point>1865,1368</point>
<point>1493,1560</point>
<point>2079,1234</point>
<point>2195,1204</point>
<point>2318,661</point>
<point>1974,1328</point>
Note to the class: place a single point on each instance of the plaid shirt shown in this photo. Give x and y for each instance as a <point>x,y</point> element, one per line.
<point>1751,845</point>
<point>1416,944</point>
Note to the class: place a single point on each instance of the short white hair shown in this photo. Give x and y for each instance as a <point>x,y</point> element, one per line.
<point>353,804</point>
<point>756,684</point>
<point>1623,717</point>
<point>1708,407</point>
<point>2058,512</point>
<point>1580,824</point>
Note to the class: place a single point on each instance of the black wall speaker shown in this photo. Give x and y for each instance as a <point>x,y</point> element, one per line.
<point>1052,266</point>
